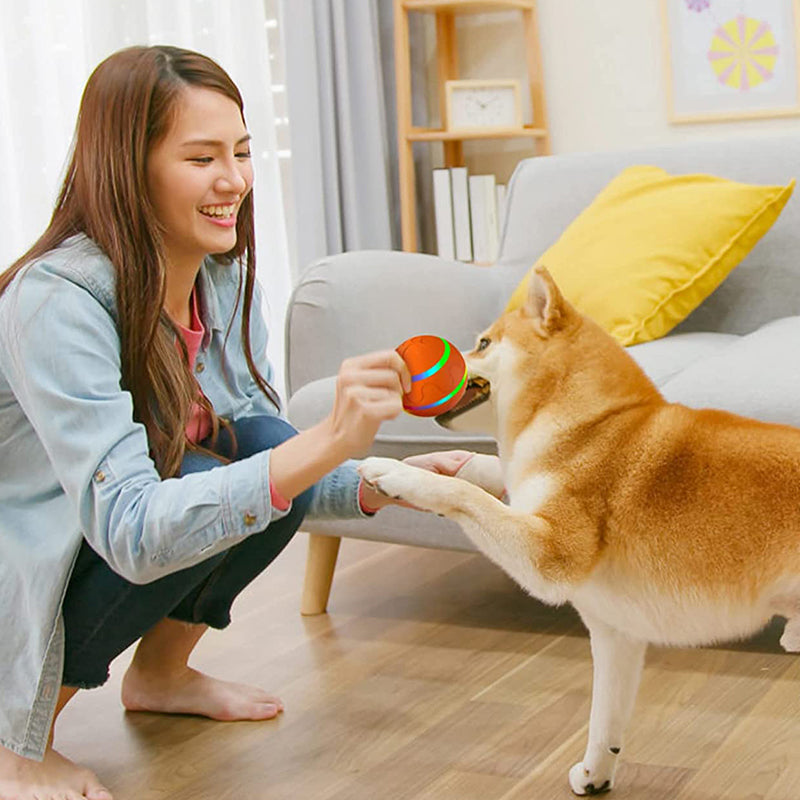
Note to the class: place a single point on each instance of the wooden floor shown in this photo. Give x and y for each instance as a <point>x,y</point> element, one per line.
<point>434,677</point>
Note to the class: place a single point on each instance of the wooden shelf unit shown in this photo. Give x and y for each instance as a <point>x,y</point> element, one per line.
<point>445,12</point>
<point>467,6</point>
<point>438,135</point>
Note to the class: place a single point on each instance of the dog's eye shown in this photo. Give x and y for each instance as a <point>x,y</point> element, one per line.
<point>483,344</point>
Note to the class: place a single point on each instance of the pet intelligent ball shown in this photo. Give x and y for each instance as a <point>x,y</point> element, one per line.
<point>438,374</point>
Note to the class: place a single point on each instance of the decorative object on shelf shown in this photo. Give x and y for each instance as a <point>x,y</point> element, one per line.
<point>483,104</point>
<point>731,59</point>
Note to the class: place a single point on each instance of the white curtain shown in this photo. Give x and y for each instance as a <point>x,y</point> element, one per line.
<point>48,48</point>
<point>342,131</point>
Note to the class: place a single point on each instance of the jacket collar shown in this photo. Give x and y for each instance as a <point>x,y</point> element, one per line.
<point>100,279</point>
<point>210,313</point>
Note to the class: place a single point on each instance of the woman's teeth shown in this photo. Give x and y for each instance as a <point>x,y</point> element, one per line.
<point>218,211</point>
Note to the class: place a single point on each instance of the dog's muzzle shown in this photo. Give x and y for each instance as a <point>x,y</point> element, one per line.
<point>478,391</point>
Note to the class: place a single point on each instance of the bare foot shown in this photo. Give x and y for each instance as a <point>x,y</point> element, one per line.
<point>54,778</point>
<point>192,692</point>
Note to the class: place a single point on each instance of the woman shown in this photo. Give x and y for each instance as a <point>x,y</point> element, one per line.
<point>146,476</point>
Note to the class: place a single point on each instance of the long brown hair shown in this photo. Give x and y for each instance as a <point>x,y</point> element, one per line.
<point>127,106</point>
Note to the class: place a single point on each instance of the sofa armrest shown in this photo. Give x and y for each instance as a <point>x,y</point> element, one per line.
<point>368,300</point>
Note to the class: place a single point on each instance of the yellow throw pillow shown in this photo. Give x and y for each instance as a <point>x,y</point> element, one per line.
<point>652,246</point>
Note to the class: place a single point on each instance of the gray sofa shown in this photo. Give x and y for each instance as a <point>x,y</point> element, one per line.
<point>737,351</point>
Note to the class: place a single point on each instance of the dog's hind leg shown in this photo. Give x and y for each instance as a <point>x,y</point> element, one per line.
<point>790,641</point>
<point>787,604</point>
<point>617,661</point>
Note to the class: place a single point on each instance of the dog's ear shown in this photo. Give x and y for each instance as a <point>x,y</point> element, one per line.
<point>545,304</point>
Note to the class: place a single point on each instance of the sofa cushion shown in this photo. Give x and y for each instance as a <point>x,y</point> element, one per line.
<point>404,436</point>
<point>652,246</point>
<point>664,358</point>
<point>755,376</point>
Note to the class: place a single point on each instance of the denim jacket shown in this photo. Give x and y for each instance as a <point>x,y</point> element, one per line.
<point>74,464</point>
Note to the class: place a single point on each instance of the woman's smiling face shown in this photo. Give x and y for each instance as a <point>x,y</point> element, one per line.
<point>198,174</point>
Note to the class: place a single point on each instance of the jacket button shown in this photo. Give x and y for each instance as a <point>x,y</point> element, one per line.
<point>249,519</point>
<point>199,366</point>
<point>99,476</point>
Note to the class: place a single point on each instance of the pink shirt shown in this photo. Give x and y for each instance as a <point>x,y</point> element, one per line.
<point>199,425</point>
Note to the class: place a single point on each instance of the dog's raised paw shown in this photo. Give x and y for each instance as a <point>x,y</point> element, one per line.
<point>390,477</point>
<point>583,783</point>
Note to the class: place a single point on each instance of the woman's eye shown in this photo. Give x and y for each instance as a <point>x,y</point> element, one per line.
<point>209,159</point>
<point>483,344</point>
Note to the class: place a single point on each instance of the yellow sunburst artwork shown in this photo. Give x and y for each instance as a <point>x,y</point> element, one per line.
<point>743,53</point>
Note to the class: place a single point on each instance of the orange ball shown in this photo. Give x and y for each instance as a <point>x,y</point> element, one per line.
<point>438,374</point>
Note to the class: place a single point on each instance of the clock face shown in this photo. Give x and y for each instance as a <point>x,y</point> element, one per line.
<point>490,107</point>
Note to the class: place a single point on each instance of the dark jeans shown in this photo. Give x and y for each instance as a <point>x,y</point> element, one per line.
<point>104,614</point>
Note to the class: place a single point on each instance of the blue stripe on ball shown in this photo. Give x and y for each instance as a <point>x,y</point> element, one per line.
<point>434,369</point>
<point>443,400</point>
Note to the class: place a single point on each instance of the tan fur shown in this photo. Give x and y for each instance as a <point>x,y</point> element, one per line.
<point>684,497</point>
<point>660,523</point>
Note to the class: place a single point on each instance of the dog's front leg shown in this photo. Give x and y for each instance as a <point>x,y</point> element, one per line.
<point>484,471</point>
<point>617,661</point>
<point>511,539</point>
<point>429,491</point>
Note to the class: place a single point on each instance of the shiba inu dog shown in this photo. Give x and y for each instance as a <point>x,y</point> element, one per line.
<point>659,523</point>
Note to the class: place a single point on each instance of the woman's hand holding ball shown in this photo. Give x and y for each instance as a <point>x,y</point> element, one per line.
<point>369,390</point>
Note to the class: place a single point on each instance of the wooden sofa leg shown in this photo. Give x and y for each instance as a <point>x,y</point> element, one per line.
<point>320,564</point>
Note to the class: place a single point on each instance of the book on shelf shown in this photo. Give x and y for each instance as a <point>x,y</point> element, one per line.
<point>500,193</point>
<point>483,216</point>
<point>461,224</point>
<point>443,214</point>
<point>468,211</point>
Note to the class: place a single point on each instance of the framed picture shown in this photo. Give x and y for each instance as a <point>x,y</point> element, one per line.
<point>731,59</point>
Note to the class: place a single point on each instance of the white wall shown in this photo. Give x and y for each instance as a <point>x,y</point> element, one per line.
<point>604,75</point>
